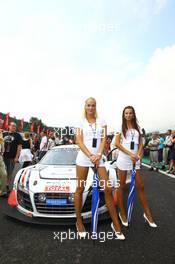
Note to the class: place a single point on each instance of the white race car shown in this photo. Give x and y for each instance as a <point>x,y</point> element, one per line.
<point>46,190</point>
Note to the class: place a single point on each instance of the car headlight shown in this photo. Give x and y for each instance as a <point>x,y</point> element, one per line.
<point>71,197</point>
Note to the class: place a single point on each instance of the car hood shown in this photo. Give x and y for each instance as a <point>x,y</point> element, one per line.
<point>57,172</point>
<point>42,178</point>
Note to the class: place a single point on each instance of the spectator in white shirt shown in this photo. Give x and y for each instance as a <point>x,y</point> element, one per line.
<point>51,142</point>
<point>43,145</point>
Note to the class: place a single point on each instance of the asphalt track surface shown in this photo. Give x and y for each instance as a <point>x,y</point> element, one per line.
<point>26,243</point>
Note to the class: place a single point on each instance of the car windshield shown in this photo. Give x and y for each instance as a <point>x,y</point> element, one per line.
<point>60,156</point>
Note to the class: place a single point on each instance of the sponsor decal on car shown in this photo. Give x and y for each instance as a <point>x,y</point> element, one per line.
<point>57,188</point>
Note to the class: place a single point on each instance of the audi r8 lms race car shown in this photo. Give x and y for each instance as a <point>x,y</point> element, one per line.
<point>44,192</point>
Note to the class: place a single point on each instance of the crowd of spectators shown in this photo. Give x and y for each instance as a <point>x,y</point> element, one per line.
<point>23,149</point>
<point>162,151</point>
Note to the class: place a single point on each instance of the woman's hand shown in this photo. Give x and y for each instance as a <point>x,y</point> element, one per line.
<point>92,158</point>
<point>95,158</point>
<point>134,157</point>
<point>98,156</point>
<point>15,160</point>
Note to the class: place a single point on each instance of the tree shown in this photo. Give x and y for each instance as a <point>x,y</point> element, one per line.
<point>37,122</point>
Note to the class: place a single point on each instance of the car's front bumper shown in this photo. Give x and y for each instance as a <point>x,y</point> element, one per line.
<point>26,216</point>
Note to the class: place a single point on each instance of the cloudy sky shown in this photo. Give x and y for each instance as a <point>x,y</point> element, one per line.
<point>56,53</point>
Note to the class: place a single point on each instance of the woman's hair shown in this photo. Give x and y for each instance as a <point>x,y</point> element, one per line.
<point>134,121</point>
<point>84,112</point>
<point>56,135</point>
<point>26,135</point>
<point>51,135</point>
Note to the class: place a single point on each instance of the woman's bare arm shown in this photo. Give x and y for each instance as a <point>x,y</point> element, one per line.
<point>31,145</point>
<point>133,156</point>
<point>120,147</point>
<point>79,142</point>
<point>173,140</point>
<point>140,148</point>
<point>103,140</point>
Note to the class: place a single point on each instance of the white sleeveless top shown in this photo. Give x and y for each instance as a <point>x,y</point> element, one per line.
<point>90,131</point>
<point>124,161</point>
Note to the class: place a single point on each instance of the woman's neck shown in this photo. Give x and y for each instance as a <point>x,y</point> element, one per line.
<point>90,118</point>
<point>129,124</point>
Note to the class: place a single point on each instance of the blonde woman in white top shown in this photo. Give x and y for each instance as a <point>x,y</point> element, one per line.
<point>91,138</point>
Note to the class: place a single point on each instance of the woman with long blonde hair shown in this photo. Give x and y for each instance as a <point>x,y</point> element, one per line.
<point>91,138</point>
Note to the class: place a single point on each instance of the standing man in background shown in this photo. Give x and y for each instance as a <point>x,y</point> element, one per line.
<point>12,149</point>
<point>153,147</point>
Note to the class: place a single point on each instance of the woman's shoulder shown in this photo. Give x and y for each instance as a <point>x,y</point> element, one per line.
<point>101,121</point>
<point>118,130</point>
<point>137,131</point>
<point>81,123</point>
<point>26,139</point>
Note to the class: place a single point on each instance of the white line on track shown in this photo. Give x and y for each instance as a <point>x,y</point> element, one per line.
<point>161,171</point>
